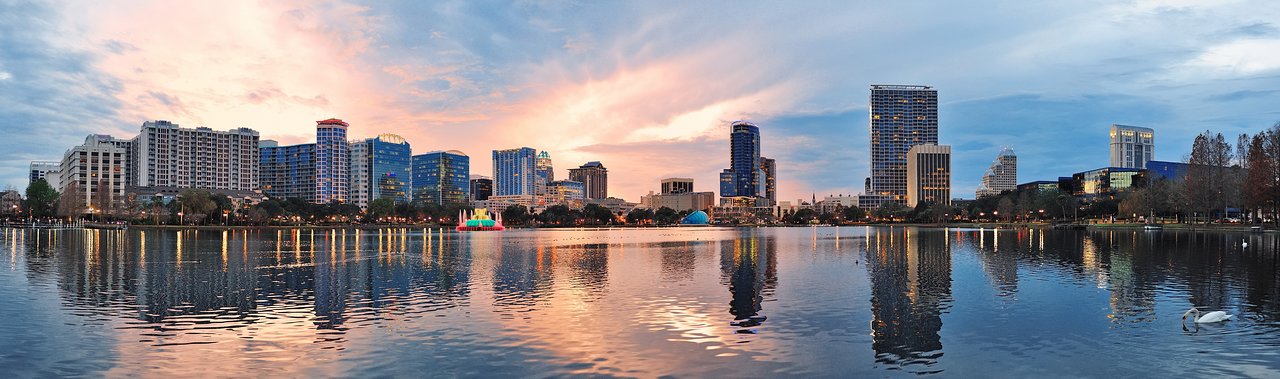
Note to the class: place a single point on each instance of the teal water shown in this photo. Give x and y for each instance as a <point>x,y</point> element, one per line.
<point>692,302</point>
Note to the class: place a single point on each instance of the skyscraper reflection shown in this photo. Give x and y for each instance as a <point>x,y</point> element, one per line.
<point>589,268</point>
<point>235,275</point>
<point>598,302</point>
<point>910,275</point>
<point>523,276</point>
<point>1000,259</point>
<point>750,267</point>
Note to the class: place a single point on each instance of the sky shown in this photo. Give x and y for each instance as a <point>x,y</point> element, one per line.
<point>648,88</point>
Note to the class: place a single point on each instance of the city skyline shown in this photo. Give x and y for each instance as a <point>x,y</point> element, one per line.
<point>586,91</point>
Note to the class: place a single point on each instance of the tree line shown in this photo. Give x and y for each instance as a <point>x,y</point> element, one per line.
<point>1223,182</point>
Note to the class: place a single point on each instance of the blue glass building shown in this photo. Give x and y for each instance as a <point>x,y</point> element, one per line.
<point>287,171</point>
<point>1166,170</point>
<point>515,172</point>
<point>726,183</point>
<point>333,161</point>
<point>745,168</point>
<point>1103,181</point>
<point>441,177</point>
<point>390,168</point>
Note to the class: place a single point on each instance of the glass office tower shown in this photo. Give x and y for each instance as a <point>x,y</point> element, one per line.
<point>287,171</point>
<point>481,187</point>
<point>441,177</point>
<point>390,162</point>
<point>745,175</point>
<point>514,172</point>
<point>902,117</point>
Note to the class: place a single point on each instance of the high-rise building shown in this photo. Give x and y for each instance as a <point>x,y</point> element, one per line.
<point>1001,176</point>
<point>47,170</point>
<point>333,161</point>
<point>594,176</point>
<point>96,172</point>
<point>316,172</point>
<point>745,174</point>
<point>1132,146</point>
<point>902,117</point>
<point>515,172</point>
<point>929,174</point>
<point>389,159</point>
<point>545,173</point>
<point>166,155</point>
<point>481,187</point>
<point>360,192</point>
<point>287,171</point>
<point>676,185</point>
<point>726,184</point>
<point>770,168</point>
<point>442,177</point>
<point>568,193</point>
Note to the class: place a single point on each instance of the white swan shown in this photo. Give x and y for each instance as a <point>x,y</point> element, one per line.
<point>1215,316</point>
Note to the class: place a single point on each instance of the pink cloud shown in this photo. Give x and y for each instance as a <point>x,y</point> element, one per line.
<point>278,67</point>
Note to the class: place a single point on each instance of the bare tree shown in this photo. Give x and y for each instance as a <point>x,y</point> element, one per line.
<point>103,201</point>
<point>1006,208</point>
<point>1259,182</point>
<point>1209,183</point>
<point>71,205</point>
<point>1270,156</point>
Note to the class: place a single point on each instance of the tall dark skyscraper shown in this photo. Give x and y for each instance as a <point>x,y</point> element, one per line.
<point>481,187</point>
<point>594,176</point>
<point>901,117</point>
<point>745,175</point>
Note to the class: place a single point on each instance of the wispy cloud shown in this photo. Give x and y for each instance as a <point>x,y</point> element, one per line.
<point>647,87</point>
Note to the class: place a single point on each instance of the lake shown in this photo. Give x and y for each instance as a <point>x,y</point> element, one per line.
<point>687,302</point>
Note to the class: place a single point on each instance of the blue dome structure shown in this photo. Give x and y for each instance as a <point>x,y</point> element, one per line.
<point>696,218</point>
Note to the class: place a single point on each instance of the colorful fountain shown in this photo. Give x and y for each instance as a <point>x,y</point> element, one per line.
<point>479,221</point>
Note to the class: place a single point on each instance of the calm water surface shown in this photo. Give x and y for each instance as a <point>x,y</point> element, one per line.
<point>762,302</point>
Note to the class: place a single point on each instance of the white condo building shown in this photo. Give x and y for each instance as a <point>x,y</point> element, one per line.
<point>359,173</point>
<point>1001,176</point>
<point>165,155</point>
